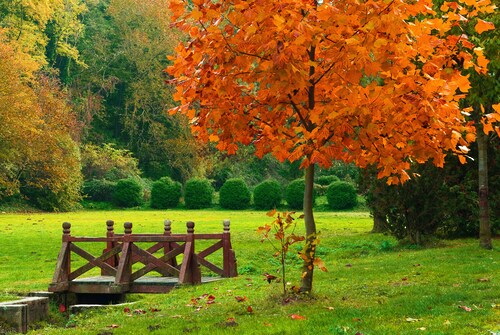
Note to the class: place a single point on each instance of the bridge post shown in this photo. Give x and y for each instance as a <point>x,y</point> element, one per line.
<point>110,233</point>
<point>60,281</point>
<point>168,245</point>
<point>190,271</point>
<point>124,270</point>
<point>228,256</point>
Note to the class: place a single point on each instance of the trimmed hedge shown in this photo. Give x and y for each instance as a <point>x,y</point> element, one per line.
<point>165,193</point>
<point>128,193</point>
<point>327,180</point>
<point>234,194</point>
<point>267,195</point>
<point>198,193</point>
<point>99,189</point>
<point>341,195</point>
<point>294,194</point>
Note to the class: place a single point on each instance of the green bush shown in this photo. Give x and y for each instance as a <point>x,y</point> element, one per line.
<point>99,189</point>
<point>234,194</point>
<point>128,193</point>
<point>165,193</point>
<point>267,195</point>
<point>327,180</point>
<point>294,194</point>
<point>341,195</point>
<point>198,193</point>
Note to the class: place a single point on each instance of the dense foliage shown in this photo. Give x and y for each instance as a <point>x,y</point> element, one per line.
<point>341,195</point>
<point>268,194</point>
<point>294,194</point>
<point>99,189</point>
<point>234,194</point>
<point>128,193</point>
<point>198,193</point>
<point>165,193</point>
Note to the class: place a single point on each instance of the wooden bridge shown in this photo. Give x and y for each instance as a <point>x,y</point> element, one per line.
<point>128,258</point>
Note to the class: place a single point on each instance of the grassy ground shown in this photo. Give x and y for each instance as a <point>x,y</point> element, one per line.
<point>373,286</point>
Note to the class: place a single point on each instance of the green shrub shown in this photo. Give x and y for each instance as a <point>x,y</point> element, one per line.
<point>341,195</point>
<point>267,195</point>
<point>99,189</point>
<point>128,193</point>
<point>327,180</point>
<point>234,194</point>
<point>294,194</point>
<point>165,193</point>
<point>198,193</point>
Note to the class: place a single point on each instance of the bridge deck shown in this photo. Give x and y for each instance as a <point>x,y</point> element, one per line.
<point>146,284</point>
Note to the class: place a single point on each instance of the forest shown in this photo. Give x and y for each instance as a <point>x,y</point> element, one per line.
<point>84,108</point>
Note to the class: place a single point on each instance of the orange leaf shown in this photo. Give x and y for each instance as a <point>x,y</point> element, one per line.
<point>482,26</point>
<point>297,317</point>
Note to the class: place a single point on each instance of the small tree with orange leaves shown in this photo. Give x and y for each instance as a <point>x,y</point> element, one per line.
<point>372,82</point>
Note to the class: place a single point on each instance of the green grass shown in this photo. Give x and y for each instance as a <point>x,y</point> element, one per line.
<point>373,286</point>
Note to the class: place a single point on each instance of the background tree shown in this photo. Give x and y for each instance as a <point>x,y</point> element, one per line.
<point>286,76</point>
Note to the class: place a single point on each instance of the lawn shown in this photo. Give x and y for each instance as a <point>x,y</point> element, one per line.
<point>373,285</point>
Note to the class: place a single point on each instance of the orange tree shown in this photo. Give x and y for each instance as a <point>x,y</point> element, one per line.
<point>373,82</point>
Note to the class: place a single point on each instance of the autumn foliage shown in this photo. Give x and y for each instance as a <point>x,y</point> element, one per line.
<point>373,82</point>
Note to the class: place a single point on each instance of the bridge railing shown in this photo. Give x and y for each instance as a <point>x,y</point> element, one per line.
<point>125,258</point>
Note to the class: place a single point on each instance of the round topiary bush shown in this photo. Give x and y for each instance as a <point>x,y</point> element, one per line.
<point>165,193</point>
<point>294,194</point>
<point>128,193</point>
<point>99,189</point>
<point>234,194</point>
<point>198,193</point>
<point>267,195</point>
<point>327,180</point>
<point>341,195</point>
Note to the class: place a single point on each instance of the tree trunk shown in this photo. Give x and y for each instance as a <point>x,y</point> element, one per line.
<point>484,215</point>
<point>379,223</point>
<point>310,247</point>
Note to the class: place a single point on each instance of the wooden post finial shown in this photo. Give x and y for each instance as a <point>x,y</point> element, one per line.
<point>66,228</point>
<point>226,224</point>
<point>190,227</point>
<point>167,226</point>
<point>109,225</point>
<point>128,227</point>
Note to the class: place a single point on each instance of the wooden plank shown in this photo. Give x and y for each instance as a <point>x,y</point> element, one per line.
<point>93,262</point>
<point>161,267</point>
<point>124,266</point>
<point>95,239</point>
<point>208,236</point>
<point>61,271</point>
<point>210,250</point>
<point>210,266</point>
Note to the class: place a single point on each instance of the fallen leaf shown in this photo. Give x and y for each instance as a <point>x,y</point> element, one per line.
<point>416,265</point>
<point>177,316</point>
<point>240,299</point>
<point>269,277</point>
<point>447,323</point>
<point>421,328</point>
<point>139,311</point>
<point>113,326</point>
<point>330,308</point>
<point>357,320</point>
<point>126,310</point>
<point>349,265</point>
<point>267,324</point>
<point>155,310</point>
<point>358,333</point>
<point>249,309</point>
<point>297,317</point>
<point>465,308</point>
<point>404,278</point>
<point>483,280</point>
<point>412,320</point>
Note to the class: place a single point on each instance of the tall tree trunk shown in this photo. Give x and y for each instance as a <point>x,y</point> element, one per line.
<point>379,222</point>
<point>484,215</point>
<point>310,247</point>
